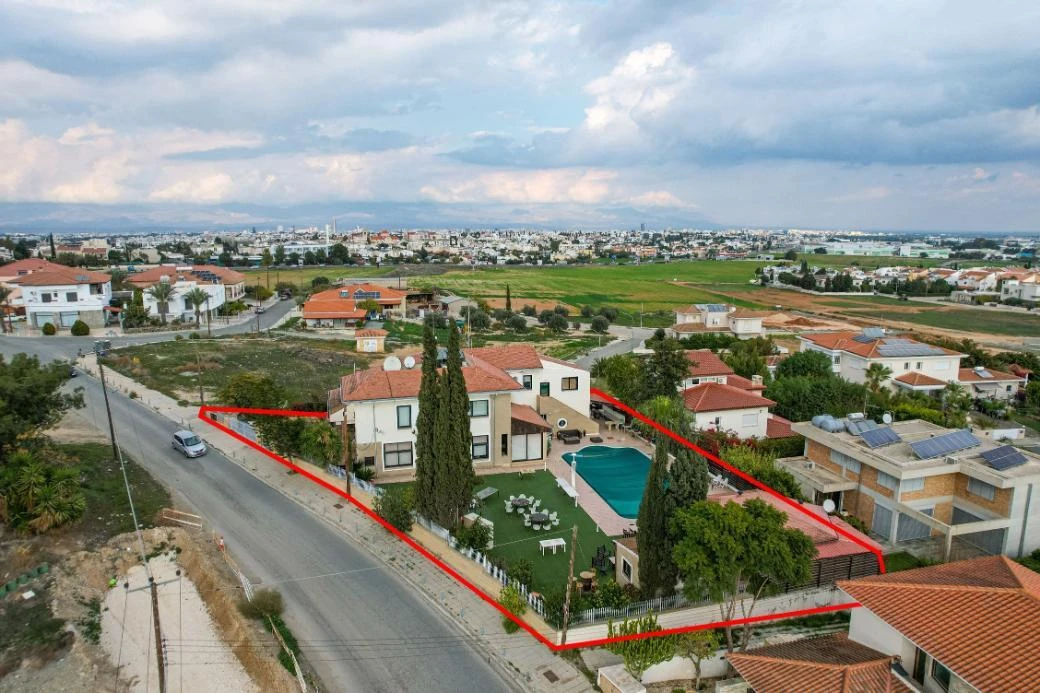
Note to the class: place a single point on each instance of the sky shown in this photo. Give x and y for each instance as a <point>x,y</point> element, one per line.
<point>830,114</point>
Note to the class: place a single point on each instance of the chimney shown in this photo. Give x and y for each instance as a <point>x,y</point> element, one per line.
<point>756,379</point>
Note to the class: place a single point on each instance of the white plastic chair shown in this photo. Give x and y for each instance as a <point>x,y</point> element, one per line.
<point>527,520</point>
<point>555,523</point>
<point>552,517</point>
<point>512,498</point>
<point>509,507</point>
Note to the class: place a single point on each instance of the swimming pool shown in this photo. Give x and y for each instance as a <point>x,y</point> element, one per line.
<point>618,475</point>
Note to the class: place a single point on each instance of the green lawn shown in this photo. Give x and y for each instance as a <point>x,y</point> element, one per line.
<point>901,560</point>
<point>513,541</point>
<point>964,319</point>
<point>307,368</point>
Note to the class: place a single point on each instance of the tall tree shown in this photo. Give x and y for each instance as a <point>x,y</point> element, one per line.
<point>696,646</point>
<point>814,364</point>
<point>197,297</point>
<point>320,442</point>
<point>875,376</point>
<point>664,369</point>
<point>162,293</point>
<point>426,462</point>
<point>669,411</point>
<point>31,398</point>
<point>509,300</point>
<point>731,551</point>
<point>454,452</point>
<point>5,306</point>
<point>688,479</point>
<point>656,567</point>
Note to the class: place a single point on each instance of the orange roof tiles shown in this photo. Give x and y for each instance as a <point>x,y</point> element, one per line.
<point>510,356</point>
<point>744,313</point>
<point>705,362</point>
<point>915,379</point>
<point>978,617</point>
<point>743,383</point>
<point>523,412</point>
<point>970,375</point>
<point>844,341</point>
<point>60,275</point>
<point>719,397</point>
<point>817,665</point>
<point>778,427</point>
<point>375,383</point>
<point>22,267</point>
<point>371,333</point>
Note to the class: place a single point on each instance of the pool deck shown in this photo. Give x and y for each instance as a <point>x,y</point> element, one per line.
<point>591,502</point>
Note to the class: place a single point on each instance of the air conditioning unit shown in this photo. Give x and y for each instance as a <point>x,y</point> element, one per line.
<point>809,465</point>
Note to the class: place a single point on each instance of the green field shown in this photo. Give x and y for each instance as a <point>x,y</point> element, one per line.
<point>513,541</point>
<point>306,368</point>
<point>964,319</point>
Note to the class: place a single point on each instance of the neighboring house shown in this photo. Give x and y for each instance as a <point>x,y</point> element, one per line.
<point>391,301</point>
<point>956,627</point>
<point>333,308</point>
<point>986,383</point>
<point>947,491</point>
<point>705,367</point>
<point>61,295</point>
<point>718,317</point>
<point>178,307</point>
<point>517,397</point>
<point>13,271</point>
<point>718,407</point>
<point>1027,289</point>
<point>370,341</point>
<point>824,664</point>
<point>837,556</point>
<point>852,353</point>
<point>231,282</point>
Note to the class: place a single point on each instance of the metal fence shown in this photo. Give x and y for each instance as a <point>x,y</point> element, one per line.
<point>657,605</point>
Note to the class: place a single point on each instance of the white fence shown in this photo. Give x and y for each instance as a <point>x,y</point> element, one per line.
<point>657,605</point>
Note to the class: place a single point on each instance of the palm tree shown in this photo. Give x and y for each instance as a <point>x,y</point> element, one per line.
<point>876,374</point>
<point>162,293</point>
<point>197,297</point>
<point>956,401</point>
<point>31,479</point>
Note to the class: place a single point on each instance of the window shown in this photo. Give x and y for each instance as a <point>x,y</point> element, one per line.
<point>404,416</point>
<point>906,366</point>
<point>912,485</point>
<point>981,489</point>
<point>941,675</point>
<point>749,420</point>
<point>569,384</point>
<point>887,481</point>
<point>505,443</point>
<point>481,447</point>
<point>543,389</point>
<point>71,296</point>
<point>397,455</point>
<point>370,461</point>
<point>837,359</point>
<point>919,365</point>
<point>718,421</point>
<point>845,461</point>
<point>45,297</point>
<point>528,382</point>
<point>626,568</point>
<point>478,407</point>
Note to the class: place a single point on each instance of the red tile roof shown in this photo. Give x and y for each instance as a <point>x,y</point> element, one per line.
<point>371,333</point>
<point>19,267</point>
<point>698,327</point>
<point>705,362</point>
<point>744,384</point>
<point>719,397</point>
<point>60,275</point>
<point>970,375</point>
<point>817,665</point>
<point>915,379</point>
<point>387,295</point>
<point>523,412</point>
<point>778,427</point>
<point>844,341</point>
<point>510,356</point>
<point>744,313</point>
<point>375,383</point>
<point>333,308</point>
<point>978,617</point>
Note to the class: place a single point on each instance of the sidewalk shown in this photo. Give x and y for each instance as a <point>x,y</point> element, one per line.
<point>519,658</point>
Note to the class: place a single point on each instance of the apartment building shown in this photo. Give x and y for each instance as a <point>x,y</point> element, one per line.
<point>948,492</point>
<point>518,397</point>
<point>852,353</point>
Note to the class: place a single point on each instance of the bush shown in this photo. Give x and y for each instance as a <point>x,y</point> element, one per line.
<point>514,603</point>
<point>557,323</point>
<point>194,335</point>
<point>517,323</point>
<point>529,311</point>
<point>49,329</point>
<point>436,320</point>
<point>266,602</point>
<point>178,338</point>
<point>612,595</point>
<point>476,536</point>
<point>364,473</point>
<point>80,329</point>
<point>320,281</point>
<point>522,571</point>
<point>600,324</point>
<point>395,506</point>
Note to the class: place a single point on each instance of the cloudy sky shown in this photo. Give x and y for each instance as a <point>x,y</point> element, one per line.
<point>886,114</point>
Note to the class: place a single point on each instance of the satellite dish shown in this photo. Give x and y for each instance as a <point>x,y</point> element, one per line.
<point>829,506</point>
<point>887,418</point>
<point>409,362</point>
<point>391,363</point>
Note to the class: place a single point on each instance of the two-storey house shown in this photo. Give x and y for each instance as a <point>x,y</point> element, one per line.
<point>718,317</point>
<point>232,283</point>
<point>987,383</point>
<point>950,493</point>
<point>61,295</point>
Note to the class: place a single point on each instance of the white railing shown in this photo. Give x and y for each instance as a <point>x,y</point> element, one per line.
<point>656,605</point>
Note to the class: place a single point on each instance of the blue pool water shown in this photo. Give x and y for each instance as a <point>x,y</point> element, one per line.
<point>618,475</point>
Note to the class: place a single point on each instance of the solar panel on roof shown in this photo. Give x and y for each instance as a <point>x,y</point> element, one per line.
<point>858,427</point>
<point>1004,457</point>
<point>873,332</point>
<point>944,444</point>
<point>880,437</point>
<point>908,349</point>
<point>983,373</point>
<point>864,339</point>
<point>717,308</point>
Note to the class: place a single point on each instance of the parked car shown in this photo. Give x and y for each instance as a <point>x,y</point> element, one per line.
<point>260,309</point>
<point>189,444</point>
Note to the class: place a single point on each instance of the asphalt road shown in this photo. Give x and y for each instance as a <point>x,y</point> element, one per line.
<point>628,338</point>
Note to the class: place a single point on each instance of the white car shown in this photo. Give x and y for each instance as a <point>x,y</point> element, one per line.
<point>189,444</point>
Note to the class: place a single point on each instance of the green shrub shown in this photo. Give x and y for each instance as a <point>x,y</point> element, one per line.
<point>265,602</point>
<point>476,536</point>
<point>522,571</point>
<point>395,506</point>
<point>364,473</point>
<point>49,329</point>
<point>194,335</point>
<point>80,329</point>
<point>178,338</point>
<point>514,603</point>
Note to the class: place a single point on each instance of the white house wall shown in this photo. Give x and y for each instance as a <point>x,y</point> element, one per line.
<point>733,420</point>
<point>554,373</point>
<point>89,306</point>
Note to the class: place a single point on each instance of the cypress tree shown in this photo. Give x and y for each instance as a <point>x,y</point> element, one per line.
<point>688,479</point>
<point>509,300</point>
<point>455,474</point>
<point>655,562</point>
<point>426,461</point>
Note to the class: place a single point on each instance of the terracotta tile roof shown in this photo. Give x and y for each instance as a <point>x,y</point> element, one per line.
<point>371,333</point>
<point>510,356</point>
<point>817,665</point>
<point>629,543</point>
<point>719,397</point>
<point>978,617</point>
<point>332,308</point>
<point>386,294</point>
<point>375,383</point>
<point>705,362</point>
<point>60,275</point>
<point>686,310</point>
<point>915,379</point>
<point>154,275</point>
<point>970,375</point>
<point>744,313</point>
<point>1019,370</point>
<point>19,267</point>
<point>523,412</point>
<point>845,341</point>
<point>778,427</point>
<point>744,384</point>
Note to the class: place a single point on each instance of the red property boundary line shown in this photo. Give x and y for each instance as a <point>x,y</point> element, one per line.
<point>205,411</point>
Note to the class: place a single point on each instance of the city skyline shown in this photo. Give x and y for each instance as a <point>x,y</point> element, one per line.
<point>582,114</point>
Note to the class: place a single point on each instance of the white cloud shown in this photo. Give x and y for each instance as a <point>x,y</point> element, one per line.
<point>528,187</point>
<point>659,198</point>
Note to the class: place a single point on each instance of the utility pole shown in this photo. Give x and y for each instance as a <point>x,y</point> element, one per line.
<point>100,347</point>
<point>570,579</point>
<point>209,319</point>
<point>198,362</point>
